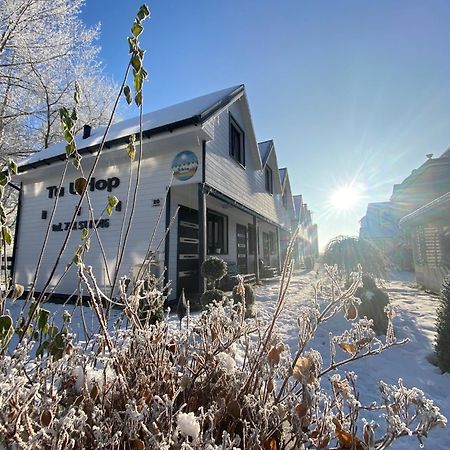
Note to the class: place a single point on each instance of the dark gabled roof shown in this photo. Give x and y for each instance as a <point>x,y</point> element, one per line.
<point>190,112</point>
<point>283,173</point>
<point>265,149</point>
<point>298,202</point>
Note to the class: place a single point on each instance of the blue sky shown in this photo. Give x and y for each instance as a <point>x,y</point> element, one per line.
<point>349,90</point>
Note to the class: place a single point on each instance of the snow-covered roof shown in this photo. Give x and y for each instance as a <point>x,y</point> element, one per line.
<point>194,111</point>
<point>264,150</point>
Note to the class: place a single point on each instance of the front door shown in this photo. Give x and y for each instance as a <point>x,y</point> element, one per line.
<point>266,249</point>
<point>188,252</point>
<point>241,244</point>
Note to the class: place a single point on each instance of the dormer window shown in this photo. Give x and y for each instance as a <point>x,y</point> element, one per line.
<point>237,148</point>
<point>269,179</point>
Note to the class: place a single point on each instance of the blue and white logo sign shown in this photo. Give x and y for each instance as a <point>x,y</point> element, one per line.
<point>184,165</point>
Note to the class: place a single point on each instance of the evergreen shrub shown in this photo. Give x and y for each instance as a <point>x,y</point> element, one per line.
<point>211,295</point>
<point>213,269</point>
<point>373,303</point>
<point>442,345</point>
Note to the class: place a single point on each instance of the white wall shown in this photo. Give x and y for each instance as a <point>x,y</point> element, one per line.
<point>155,177</point>
<point>245,185</point>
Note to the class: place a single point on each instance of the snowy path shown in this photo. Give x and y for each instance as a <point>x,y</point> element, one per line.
<point>415,317</point>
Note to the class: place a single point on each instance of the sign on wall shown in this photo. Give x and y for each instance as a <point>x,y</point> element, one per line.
<point>184,165</point>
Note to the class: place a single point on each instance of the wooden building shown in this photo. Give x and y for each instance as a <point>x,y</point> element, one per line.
<point>429,231</point>
<point>201,165</point>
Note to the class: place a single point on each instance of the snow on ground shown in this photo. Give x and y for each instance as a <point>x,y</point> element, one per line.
<point>415,318</point>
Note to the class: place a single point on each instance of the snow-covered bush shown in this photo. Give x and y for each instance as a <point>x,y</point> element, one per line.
<point>244,293</point>
<point>222,383</point>
<point>443,328</point>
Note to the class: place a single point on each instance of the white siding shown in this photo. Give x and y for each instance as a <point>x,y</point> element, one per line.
<point>155,177</point>
<point>245,185</point>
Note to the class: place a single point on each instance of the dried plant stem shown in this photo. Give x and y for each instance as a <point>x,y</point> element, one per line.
<point>125,212</point>
<point>133,203</point>
<point>69,231</point>
<point>145,264</point>
<point>356,356</point>
<point>47,232</point>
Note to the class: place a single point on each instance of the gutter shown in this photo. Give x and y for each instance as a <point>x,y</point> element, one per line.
<point>169,128</point>
<point>14,186</point>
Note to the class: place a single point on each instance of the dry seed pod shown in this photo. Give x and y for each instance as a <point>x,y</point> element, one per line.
<point>351,313</point>
<point>301,409</point>
<point>80,185</point>
<point>137,444</point>
<point>234,409</point>
<point>18,291</point>
<point>348,347</point>
<point>271,444</point>
<point>274,356</point>
<point>46,418</point>
<point>95,392</point>
<point>303,370</point>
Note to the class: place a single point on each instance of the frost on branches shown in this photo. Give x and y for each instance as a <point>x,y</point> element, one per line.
<point>44,48</point>
<point>226,382</point>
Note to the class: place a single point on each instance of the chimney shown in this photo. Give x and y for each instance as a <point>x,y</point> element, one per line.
<point>86,131</point>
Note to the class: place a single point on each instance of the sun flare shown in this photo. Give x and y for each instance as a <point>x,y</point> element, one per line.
<point>345,197</point>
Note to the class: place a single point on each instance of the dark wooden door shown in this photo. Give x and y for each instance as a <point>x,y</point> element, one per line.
<point>241,248</point>
<point>188,251</point>
<point>266,248</point>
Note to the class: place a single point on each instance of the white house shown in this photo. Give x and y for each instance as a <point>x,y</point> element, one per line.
<point>200,157</point>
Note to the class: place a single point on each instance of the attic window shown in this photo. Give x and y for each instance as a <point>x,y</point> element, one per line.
<point>269,179</point>
<point>285,200</point>
<point>237,148</point>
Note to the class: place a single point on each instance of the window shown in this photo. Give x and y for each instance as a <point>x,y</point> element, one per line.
<point>284,199</point>
<point>272,243</point>
<point>251,239</point>
<point>237,148</point>
<point>269,180</point>
<point>217,232</point>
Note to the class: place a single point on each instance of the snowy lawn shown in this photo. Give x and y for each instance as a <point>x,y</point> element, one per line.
<point>415,318</point>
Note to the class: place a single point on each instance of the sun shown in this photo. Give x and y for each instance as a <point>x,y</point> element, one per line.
<point>345,197</point>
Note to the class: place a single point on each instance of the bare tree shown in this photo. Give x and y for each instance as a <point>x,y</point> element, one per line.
<point>44,49</point>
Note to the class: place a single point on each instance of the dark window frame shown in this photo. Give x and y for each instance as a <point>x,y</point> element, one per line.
<point>234,129</point>
<point>222,221</point>
<point>268,179</point>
